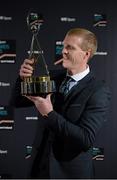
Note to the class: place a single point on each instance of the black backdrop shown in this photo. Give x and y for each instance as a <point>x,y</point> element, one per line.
<point>18,126</point>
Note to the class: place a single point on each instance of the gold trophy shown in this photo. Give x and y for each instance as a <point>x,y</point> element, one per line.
<point>41,84</point>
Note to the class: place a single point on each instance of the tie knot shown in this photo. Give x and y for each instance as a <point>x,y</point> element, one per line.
<point>66,85</point>
<point>68,79</point>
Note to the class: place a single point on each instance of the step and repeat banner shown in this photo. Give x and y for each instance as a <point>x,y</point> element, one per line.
<point>18,126</point>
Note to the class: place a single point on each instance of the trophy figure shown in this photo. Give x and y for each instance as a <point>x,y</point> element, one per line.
<point>41,84</point>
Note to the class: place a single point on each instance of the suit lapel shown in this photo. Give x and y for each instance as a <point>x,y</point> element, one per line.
<point>77,89</point>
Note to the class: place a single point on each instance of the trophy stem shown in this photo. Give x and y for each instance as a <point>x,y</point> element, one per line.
<point>32,53</point>
<point>43,58</point>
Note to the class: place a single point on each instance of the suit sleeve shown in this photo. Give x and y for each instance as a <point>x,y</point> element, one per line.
<point>83,133</point>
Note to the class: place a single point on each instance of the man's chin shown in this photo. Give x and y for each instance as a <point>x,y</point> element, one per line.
<point>64,65</point>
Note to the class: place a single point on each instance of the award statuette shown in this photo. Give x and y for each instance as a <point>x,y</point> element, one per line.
<point>40,83</point>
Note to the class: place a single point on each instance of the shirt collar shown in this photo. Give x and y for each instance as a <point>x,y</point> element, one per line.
<point>79,76</point>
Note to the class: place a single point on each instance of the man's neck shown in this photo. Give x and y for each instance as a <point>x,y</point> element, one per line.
<point>72,72</point>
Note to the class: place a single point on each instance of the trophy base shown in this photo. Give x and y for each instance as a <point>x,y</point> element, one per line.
<point>37,86</point>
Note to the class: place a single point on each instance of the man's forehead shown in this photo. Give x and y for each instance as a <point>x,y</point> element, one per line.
<point>71,39</point>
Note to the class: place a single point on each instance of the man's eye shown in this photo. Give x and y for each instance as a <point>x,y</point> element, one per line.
<point>70,47</point>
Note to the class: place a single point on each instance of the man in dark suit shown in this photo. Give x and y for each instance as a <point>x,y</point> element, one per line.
<point>70,119</point>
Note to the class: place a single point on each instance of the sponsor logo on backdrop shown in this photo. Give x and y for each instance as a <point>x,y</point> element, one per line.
<point>3,151</point>
<point>68,19</point>
<point>7,51</point>
<point>100,20</point>
<point>6,117</point>
<point>4,84</point>
<point>36,52</point>
<point>31,118</point>
<point>98,153</point>
<point>58,50</point>
<point>28,152</point>
<point>101,53</point>
<point>5,18</point>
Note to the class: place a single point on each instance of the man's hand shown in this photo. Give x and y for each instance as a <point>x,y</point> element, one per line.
<point>43,105</point>
<point>26,68</point>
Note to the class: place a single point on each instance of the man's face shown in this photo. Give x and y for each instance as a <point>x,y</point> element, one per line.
<point>73,56</point>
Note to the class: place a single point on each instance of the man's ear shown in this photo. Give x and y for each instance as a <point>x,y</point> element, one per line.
<point>88,54</point>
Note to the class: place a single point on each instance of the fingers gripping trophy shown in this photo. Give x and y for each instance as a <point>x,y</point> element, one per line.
<point>40,83</point>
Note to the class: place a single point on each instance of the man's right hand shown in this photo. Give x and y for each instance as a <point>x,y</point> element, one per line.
<point>26,68</point>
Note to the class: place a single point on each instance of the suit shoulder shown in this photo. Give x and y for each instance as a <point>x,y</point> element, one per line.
<point>101,89</point>
<point>98,83</point>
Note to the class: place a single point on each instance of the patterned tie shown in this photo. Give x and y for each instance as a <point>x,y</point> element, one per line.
<point>64,88</point>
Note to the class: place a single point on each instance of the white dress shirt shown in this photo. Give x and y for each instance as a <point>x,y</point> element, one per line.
<point>77,77</point>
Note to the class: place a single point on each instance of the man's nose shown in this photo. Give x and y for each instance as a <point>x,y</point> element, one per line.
<point>64,51</point>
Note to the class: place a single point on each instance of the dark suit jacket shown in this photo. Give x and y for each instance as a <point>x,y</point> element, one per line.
<point>70,130</point>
